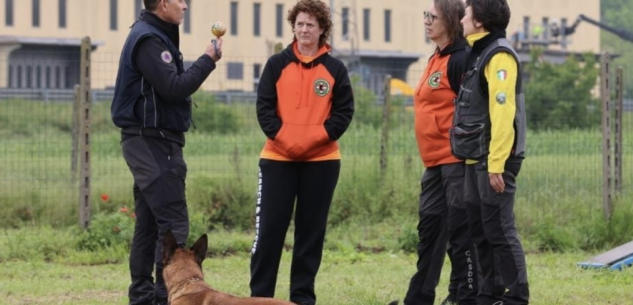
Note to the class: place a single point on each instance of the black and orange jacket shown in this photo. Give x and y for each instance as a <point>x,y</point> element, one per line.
<point>433,103</point>
<point>304,105</point>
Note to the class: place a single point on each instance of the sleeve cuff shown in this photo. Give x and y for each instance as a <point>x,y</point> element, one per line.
<point>496,167</point>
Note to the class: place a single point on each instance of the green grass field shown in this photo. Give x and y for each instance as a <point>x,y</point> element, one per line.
<point>345,278</point>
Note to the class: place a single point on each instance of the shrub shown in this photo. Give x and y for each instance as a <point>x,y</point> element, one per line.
<point>551,236</point>
<point>226,202</point>
<point>108,230</point>
<point>366,110</point>
<point>35,244</point>
<point>599,233</point>
<point>559,96</point>
<point>211,116</point>
<point>408,239</point>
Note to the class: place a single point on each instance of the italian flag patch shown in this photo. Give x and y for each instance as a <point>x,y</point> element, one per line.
<point>502,75</point>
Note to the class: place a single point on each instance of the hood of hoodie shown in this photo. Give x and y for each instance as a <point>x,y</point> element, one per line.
<point>292,52</point>
<point>307,69</point>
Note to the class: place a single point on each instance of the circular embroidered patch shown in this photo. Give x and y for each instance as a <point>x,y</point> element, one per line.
<point>501,98</point>
<point>434,79</point>
<point>321,87</point>
<point>166,57</point>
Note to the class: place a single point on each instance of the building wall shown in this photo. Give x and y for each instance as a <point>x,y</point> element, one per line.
<point>92,18</point>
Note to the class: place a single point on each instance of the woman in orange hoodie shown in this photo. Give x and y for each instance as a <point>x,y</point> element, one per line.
<point>304,105</point>
<point>442,214</point>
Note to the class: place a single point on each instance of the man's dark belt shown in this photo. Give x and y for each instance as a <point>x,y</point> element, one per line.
<point>174,136</point>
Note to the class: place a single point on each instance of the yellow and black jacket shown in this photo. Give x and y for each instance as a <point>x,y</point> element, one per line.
<point>304,105</point>
<point>489,122</point>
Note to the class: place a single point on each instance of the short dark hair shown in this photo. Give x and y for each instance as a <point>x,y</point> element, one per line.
<point>493,14</point>
<point>151,5</point>
<point>452,13</point>
<point>319,10</point>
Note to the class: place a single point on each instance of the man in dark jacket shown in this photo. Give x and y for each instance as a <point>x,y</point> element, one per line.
<point>152,106</point>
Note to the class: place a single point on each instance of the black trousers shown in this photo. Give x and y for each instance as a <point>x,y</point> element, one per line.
<point>443,220</point>
<point>499,250</point>
<point>312,184</point>
<point>159,172</point>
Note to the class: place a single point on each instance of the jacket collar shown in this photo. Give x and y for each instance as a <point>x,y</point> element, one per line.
<point>480,44</point>
<point>290,52</point>
<point>170,29</point>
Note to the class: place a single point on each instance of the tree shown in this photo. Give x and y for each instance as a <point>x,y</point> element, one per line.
<point>619,14</point>
<point>559,96</point>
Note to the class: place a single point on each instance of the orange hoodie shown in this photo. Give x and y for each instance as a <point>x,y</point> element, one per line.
<point>304,105</point>
<point>433,103</point>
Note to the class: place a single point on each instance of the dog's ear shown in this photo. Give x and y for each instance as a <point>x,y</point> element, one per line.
<point>169,246</point>
<point>200,249</point>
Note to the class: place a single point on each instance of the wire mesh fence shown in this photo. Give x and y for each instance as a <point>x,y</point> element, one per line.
<point>38,174</point>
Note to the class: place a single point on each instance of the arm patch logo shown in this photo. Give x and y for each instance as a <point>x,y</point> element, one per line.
<point>321,87</point>
<point>166,57</point>
<point>502,74</point>
<point>434,79</point>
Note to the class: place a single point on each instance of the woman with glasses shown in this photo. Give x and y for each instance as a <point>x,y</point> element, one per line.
<point>442,215</point>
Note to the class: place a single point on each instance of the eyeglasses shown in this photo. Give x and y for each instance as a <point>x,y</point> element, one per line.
<point>431,17</point>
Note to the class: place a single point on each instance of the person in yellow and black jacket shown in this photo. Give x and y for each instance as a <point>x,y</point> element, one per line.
<point>489,132</point>
<point>304,105</point>
<point>442,215</point>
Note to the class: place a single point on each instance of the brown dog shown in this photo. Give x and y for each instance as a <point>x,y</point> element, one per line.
<point>185,281</point>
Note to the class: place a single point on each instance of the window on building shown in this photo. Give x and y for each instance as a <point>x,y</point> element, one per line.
<point>233,18</point>
<point>138,6</point>
<point>113,14</point>
<point>29,77</point>
<point>8,12</point>
<point>36,13</point>
<point>366,23</point>
<point>10,84</point>
<point>47,77</point>
<point>279,21</point>
<point>235,70</point>
<point>38,77</point>
<point>387,25</point>
<point>58,77</point>
<point>187,21</point>
<point>62,13</point>
<point>19,77</point>
<point>257,71</point>
<point>257,7</point>
<point>345,23</point>
<point>67,78</point>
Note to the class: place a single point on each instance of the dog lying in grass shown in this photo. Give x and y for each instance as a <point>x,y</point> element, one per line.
<point>185,282</point>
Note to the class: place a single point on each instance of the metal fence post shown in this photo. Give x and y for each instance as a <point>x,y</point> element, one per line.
<point>619,108</point>
<point>384,140</point>
<point>75,135</point>
<point>605,96</point>
<point>84,134</point>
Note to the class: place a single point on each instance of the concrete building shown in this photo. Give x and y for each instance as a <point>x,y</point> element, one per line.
<point>39,39</point>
